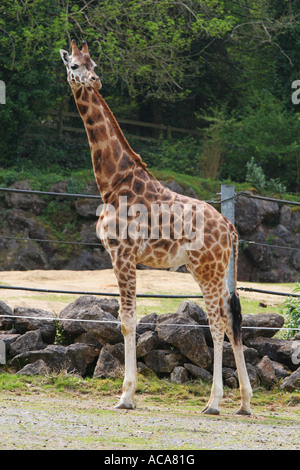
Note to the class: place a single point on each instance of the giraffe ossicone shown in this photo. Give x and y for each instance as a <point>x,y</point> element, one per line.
<point>120,173</point>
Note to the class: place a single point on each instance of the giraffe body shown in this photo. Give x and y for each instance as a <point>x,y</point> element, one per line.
<point>121,175</point>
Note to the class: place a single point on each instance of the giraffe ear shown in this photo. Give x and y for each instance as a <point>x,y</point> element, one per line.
<point>65,56</point>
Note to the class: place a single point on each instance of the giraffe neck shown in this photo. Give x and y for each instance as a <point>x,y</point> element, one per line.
<point>113,158</point>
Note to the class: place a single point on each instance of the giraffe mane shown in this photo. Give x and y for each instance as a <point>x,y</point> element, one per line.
<point>136,157</point>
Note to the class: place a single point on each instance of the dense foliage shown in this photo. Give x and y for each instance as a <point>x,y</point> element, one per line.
<point>224,67</point>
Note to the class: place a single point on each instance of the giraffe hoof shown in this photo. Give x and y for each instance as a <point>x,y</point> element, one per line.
<point>243,412</point>
<point>210,411</point>
<point>125,405</point>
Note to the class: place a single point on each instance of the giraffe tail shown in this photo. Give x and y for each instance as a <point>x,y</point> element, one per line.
<point>235,304</point>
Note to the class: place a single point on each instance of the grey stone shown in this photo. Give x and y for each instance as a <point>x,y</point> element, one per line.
<point>291,383</point>
<point>148,322</point>
<point>179,375</point>
<point>250,355</point>
<point>36,319</point>
<point>146,343</point>
<point>31,202</point>
<point>258,322</point>
<point>30,341</point>
<point>266,372</point>
<point>91,308</point>
<point>198,372</point>
<point>110,362</point>
<point>36,368</point>
<point>6,322</point>
<point>190,341</point>
<point>73,358</point>
<point>163,361</point>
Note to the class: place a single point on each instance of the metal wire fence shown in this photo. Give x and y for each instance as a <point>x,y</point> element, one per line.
<point>112,294</point>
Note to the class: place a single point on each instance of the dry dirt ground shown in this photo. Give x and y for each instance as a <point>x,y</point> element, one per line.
<point>157,281</point>
<point>38,420</point>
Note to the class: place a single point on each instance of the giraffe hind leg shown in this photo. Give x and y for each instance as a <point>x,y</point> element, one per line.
<point>217,323</point>
<point>233,332</point>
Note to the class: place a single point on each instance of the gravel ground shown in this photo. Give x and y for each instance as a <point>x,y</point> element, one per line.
<point>37,421</point>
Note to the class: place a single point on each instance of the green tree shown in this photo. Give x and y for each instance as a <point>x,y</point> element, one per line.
<point>173,58</point>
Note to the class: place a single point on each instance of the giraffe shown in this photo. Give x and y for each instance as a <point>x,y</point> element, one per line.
<point>121,173</point>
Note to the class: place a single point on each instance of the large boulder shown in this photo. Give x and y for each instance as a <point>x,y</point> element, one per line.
<point>199,372</point>
<point>91,314</point>
<point>277,349</point>
<point>8,339</point>
<point>163,361</point>
<point>261,325</point>
<point>87,207</point>
<point>6,316</point>
<point>110,362</point>
<point>179,375</point>
<point>146,343</point>
<point>250,354</point>
<point>292,382</point>
<point>250,213</point>
<point>181,331</point>
<point>148,322</point>
<point>266,372</point>
<point>20,221</point>
<point>32,202</point>
<point>102,325</point>
<point>28,319</point>
<point>36,368</point>
<point>72,359</point>
<point>30,341</point>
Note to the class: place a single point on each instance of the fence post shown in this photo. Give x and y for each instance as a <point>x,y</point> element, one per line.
<point>228,210</point>
<point>2,352</point>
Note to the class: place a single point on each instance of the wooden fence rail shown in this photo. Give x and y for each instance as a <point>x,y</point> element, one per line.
<point>59,123</point>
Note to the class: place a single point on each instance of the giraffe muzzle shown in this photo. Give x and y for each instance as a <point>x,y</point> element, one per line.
<point>94,82</point>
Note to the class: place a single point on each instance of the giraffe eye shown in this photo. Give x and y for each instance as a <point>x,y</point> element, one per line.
<point>74,67</point>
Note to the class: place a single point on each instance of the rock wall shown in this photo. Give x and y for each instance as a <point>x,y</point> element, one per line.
<point>165,344</point>
<point>50,218</point>
<point>30,216</point>
<point>269,226</point>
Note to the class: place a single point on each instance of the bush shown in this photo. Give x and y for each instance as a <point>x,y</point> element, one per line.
<point>256,177</point>
<point>291,312</point>
<point>182,155</point>
<point>267,132</point>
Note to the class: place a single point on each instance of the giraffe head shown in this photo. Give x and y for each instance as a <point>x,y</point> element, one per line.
<point>80,67</point>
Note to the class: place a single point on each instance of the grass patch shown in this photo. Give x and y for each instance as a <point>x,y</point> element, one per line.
<point>162,305</point>
<point>68,383</point>
<point>205,188</point>
<point>253,307</point>
<point>151,389</point>
<point>64,298</point>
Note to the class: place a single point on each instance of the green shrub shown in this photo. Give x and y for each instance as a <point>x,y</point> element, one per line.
<point>256,177</point>
<point>182,155</point>
<point>291,312</point>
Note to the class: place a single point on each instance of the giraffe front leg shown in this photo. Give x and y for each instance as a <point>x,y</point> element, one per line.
<point>128,326</point>
<point>130,379</point>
